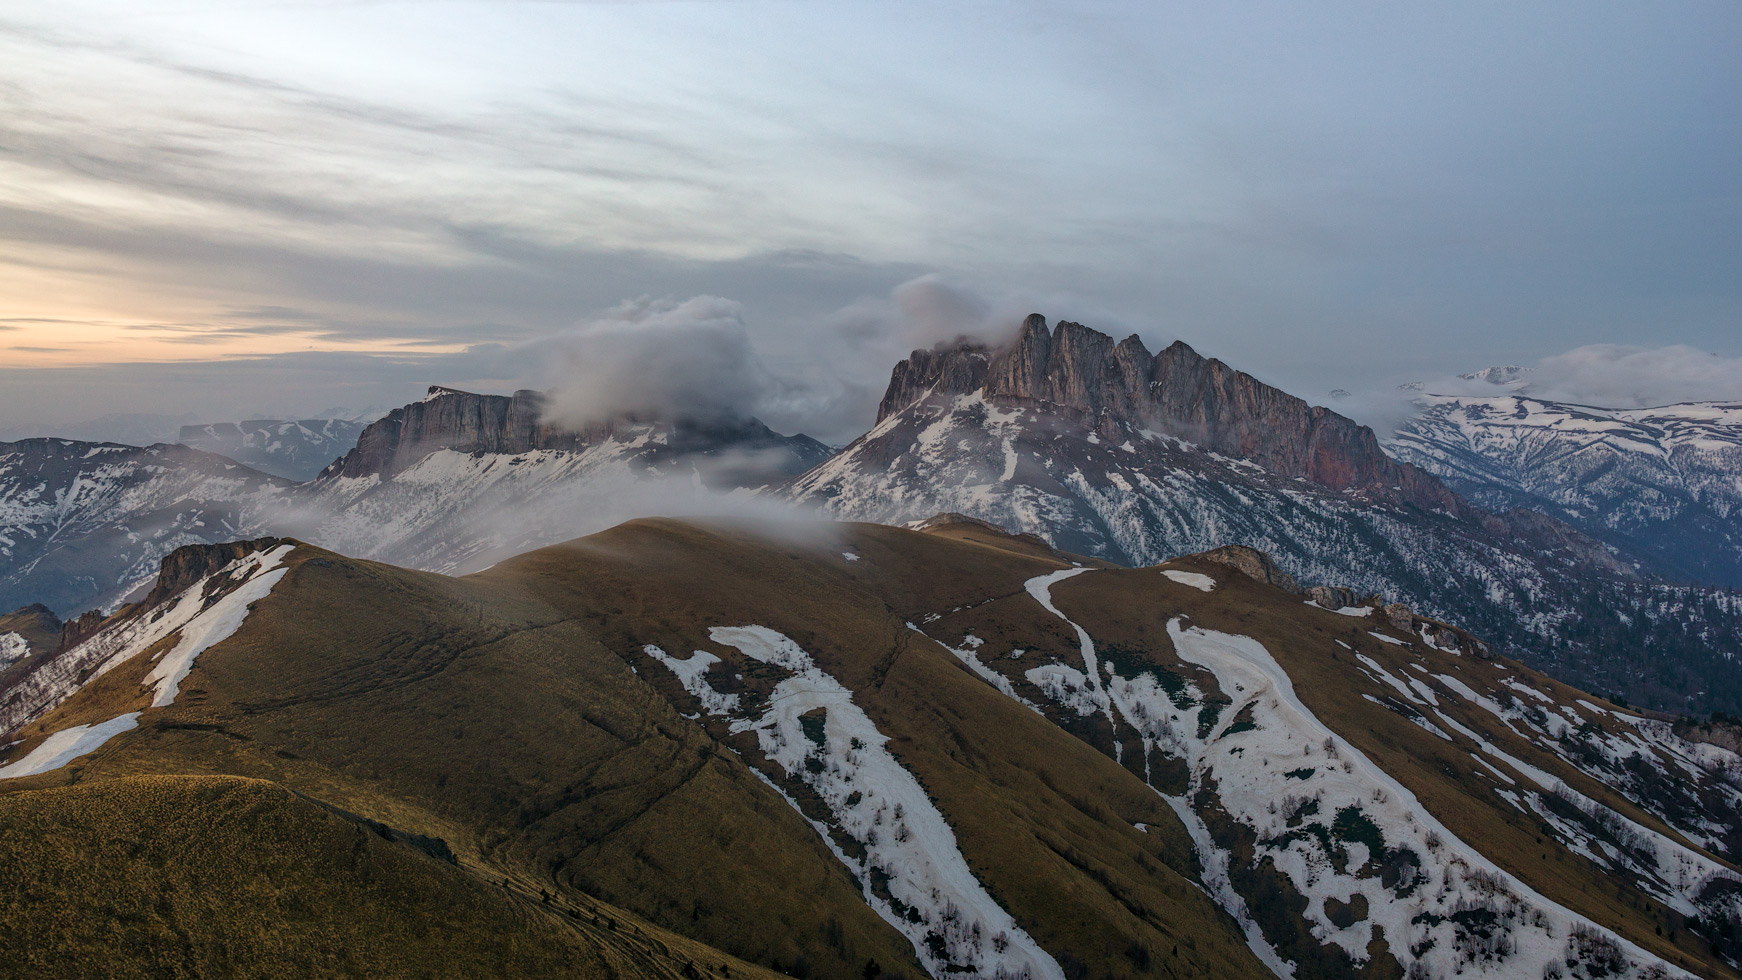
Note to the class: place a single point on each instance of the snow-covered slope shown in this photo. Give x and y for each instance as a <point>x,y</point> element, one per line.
<point>1663,482</point>
<point>813,730</point>
<point>460,481</point>
<point>458,512</point>
<point>293,450</point>
<point>1098,462</point>
<point>202,612</point>
<point>453,483</point>
<point>1300,798</point>
<point>84,524</point>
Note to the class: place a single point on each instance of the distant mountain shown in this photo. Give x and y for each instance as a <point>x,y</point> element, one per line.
<point>1098,448</point>
<point>1664,483</point>
<point>452,483</point>
<point>1105,449</point>
<point>125,429</point>
<point>678,749</point>
<point>294,450</point>
<point>1503,375</point>
<point>459,481</point>
<point>84,524</point>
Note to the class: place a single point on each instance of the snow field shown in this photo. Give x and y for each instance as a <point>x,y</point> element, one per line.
<point>13,648</point>
<point>1336,823</point>
<point>912,873</point>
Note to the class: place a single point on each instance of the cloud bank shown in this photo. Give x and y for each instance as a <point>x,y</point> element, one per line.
<point>654,357</point>
<point>1614,376</point>
<point>1618,376</point>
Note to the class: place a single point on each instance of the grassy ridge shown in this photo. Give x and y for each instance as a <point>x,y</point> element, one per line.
<point>139,877</point>
<point>473,711</point>
<point>513,715</point>
<point>1046,822</point>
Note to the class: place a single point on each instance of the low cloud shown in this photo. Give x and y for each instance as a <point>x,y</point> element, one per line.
<point>1610,376</point>
<point>1617,376</point>
<point>654,357</point>
<point>1595,375</point>
<point>922,312</point>
<point>697,358</point>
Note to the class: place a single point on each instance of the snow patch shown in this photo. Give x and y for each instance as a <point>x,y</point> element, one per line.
<point>693,675</point>
<point>1196,580</point>
<point>68,744</point>
<point>210,626</point>
<point>13,648</point>
<point>912,871</point>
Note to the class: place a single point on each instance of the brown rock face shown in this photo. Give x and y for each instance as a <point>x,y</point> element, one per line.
<point>76,631</point>
<point>186,565</point>
<point>1333,596</point>
<point>458,420</point>
<point>1083,373</point>
<point>1254,564</point>
<point>472,423</point>
<point>1401,617</point>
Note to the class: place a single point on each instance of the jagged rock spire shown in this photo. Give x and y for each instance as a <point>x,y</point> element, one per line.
<point>1080,372</point>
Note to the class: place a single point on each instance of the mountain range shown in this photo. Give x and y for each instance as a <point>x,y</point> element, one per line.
<point>296,451</point>
<point>1083,663</point>
<point>1663,483</point>
<point>1095,447</point>
<point>84,524</point>
<point>455,482</point>
<point>1104,449</point>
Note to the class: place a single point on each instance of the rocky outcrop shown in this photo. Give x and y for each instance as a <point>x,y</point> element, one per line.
<point>471,423</point>
<point>457,420</point>
<point>1334,596</point>
<point>1400,617</point>
<point>185,566</point>
<point>80,628</point>
<point>1178,392</point>
<point>1253,564</point>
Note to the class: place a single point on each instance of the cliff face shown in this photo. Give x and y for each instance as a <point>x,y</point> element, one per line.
<point>186,565</point>
<point>457,420</point>
<point>1177,392</point>
<point>472,423</point>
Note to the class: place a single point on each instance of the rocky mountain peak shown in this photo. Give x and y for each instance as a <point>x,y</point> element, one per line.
<point>448,418</point>
<point>466,422</point>
<point>1080,372</point>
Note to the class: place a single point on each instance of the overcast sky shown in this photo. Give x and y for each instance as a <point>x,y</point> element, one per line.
<point>272,208</point>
